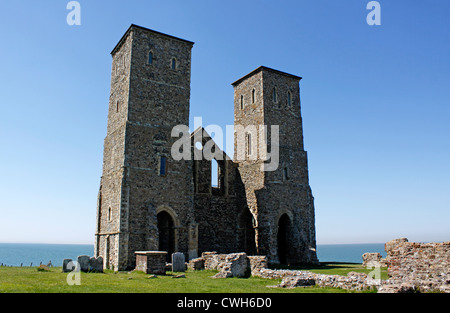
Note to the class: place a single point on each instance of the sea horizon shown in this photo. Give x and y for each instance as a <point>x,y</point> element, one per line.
<point>33,254</point>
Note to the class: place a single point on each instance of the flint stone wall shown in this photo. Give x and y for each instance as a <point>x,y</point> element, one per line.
<point>412,267</point>
<point>422,266</point>
<point>291,279</point>
<point>235,265</point>
<point>226,263</point>
<point>196,264</point>
<point>371,257</point>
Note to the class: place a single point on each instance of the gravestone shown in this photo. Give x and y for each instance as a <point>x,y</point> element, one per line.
<point>96,264</point>
<point>178,262</point>
<point>83,261</point>
<point>66,267</point>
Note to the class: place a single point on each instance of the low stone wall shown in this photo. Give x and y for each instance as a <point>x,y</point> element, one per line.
<point>421,266</point>
<point>371,258</point>
<point>292,279</point>
<point>413,267</point>
<point>229,265</point>
<point>234,265</point>
<point>213,261</point>
<point>257,263</point>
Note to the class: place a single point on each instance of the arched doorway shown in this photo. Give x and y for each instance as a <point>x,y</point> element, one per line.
<point>283,236</point>
<point>166,233</point>
<point>247,232</point>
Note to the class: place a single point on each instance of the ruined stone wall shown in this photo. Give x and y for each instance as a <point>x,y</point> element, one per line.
<point>217,225</point>
<point>217,209</point>
<point>426,265</point>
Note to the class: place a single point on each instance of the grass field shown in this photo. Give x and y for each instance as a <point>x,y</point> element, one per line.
<point>29,279</point>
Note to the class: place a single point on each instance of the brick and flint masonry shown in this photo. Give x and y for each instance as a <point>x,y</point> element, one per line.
<point>148,201</point>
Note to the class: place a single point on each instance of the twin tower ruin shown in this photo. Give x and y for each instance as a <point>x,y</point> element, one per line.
<point>148,201</point>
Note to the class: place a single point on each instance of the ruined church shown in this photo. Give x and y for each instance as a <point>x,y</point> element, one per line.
<point>148,201</point>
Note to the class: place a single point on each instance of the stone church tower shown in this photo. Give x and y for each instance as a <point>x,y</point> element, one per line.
<point>280,197</point>
<point>148,201</point>
<point>138,202</point>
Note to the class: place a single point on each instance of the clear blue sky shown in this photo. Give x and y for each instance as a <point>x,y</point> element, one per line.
<point>375,106</point>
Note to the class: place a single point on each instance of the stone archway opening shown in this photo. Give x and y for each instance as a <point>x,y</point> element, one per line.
<point>166,231</point>
<point>283,238</point>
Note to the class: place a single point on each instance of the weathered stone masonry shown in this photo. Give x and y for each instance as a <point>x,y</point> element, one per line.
<point>420,266</point>
<point>148,202</point>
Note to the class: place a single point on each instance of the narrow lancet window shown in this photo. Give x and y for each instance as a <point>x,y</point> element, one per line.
<point>285,173</point>
<point>150,57</point>
<point>163,166</point>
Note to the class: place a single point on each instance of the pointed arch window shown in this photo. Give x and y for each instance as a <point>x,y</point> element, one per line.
<point>173,64</point>
<point>274,94</point>
<point>289,97</point>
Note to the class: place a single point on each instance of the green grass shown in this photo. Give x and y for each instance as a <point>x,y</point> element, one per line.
<point>29,279</point>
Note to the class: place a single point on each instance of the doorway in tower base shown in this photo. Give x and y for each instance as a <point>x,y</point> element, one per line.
<point>246,231</point>
<point>166,231</point>
<point>284,237</point>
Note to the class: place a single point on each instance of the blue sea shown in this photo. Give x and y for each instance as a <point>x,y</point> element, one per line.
<point>27,254</point>
<point>348,253</point>
<point>15,254</point>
